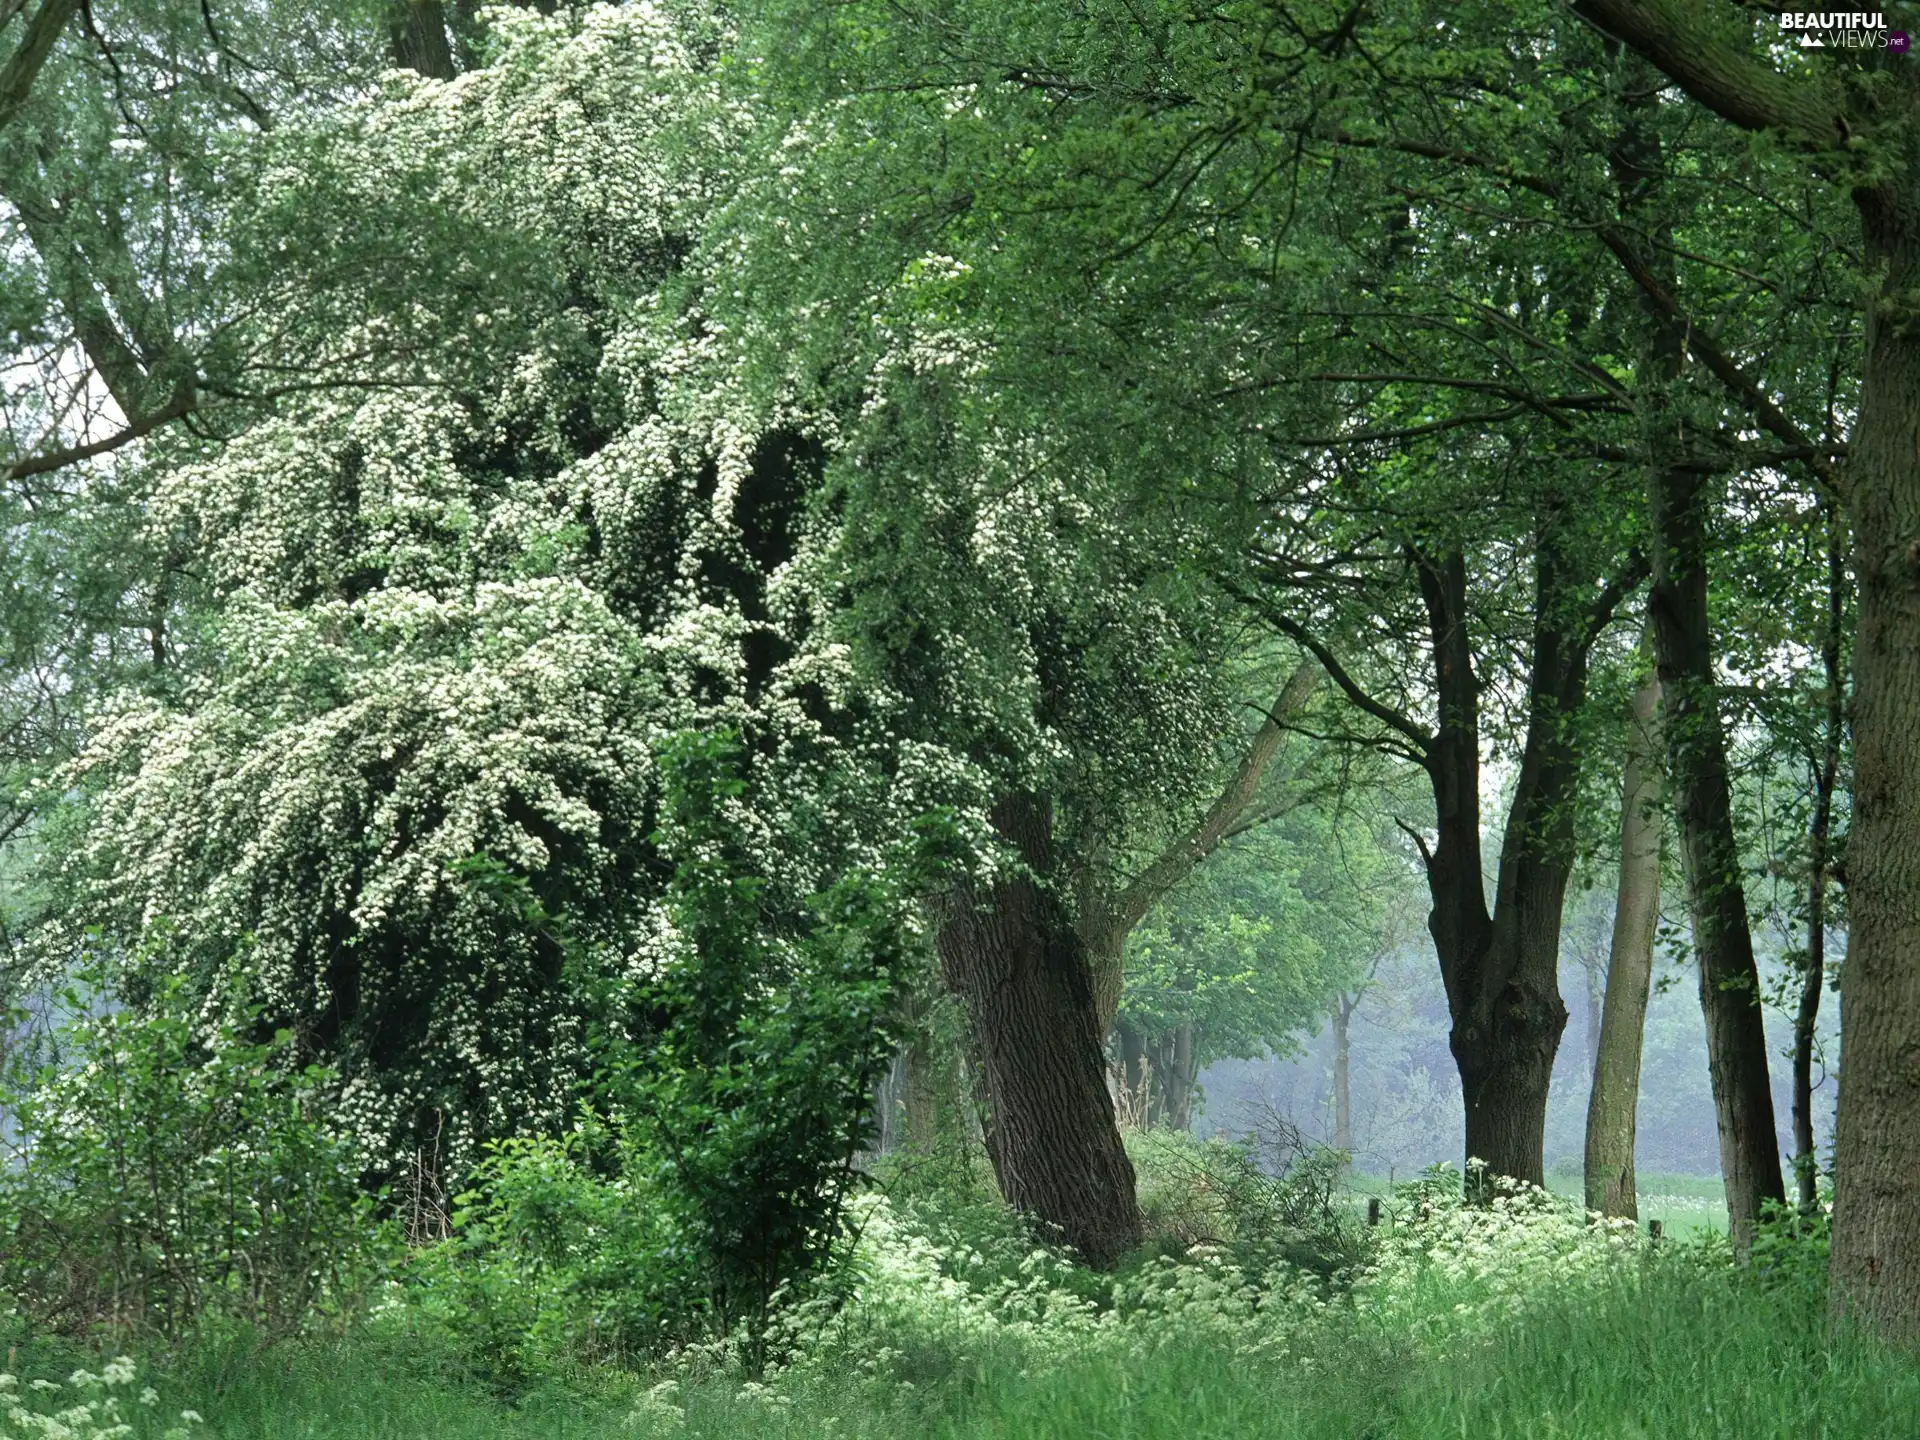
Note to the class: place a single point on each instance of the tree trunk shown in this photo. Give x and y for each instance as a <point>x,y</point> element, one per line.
<point>1343,1008</point>
<point>1876,1215</point>
<point>1135,1075</point>
<point>1178,1076</point>
<point>418,33</point>
<point>1875,1269</point>
<point>1826,772</point>
<point>1613,1105</point>
<point>1502,969</point>
<point>1703,803</point>
<point>1596,1003</point>
<point>1017,963</point>
<point>1106,968</point>
<point>1678,500</point>
<point>921,1098</point>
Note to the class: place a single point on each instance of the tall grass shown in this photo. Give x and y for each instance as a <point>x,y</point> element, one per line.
<point>1518,1318</point>
<point>1663,1352</point>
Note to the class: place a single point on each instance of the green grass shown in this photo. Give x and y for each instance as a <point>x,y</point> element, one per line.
<point>1665,1354</point>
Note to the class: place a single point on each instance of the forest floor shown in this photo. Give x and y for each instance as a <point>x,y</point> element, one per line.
<point>1523,1320</point>
<point>1686,1361</point>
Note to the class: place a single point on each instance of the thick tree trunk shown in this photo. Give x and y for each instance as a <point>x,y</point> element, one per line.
<point>1501,969</point>
<point>1343,1009</point>
<point>417,30</point>
<point>1017,963</point>
<point>1613,1105</point>
<point>1703,805</point>
<point>1876,1215</point>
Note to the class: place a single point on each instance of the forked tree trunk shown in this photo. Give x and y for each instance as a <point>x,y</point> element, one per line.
<point>1876,1211</point>
<point>1014,958</point>
<point>1501,969</point>
<point>1613,1105</point>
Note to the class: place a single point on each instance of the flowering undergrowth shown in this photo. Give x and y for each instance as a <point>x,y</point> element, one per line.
<point>938,1290</point>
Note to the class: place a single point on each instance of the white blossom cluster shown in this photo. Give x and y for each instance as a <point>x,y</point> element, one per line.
<point>583,495</point>
<point>437,624</point>
<point>97,1412</point>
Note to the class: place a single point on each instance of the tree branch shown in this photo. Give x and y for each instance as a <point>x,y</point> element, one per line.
<point>1178,860</point>
<point>1699,44</point>
<point>1724,367</point>
<point>180,404</point>
<point>23,66</point>
<point>1393,719</point>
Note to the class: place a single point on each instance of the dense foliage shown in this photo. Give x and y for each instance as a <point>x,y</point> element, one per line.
<point>606,608</point>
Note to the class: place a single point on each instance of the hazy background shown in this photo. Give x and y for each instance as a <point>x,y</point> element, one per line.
<point>1406,1093</point>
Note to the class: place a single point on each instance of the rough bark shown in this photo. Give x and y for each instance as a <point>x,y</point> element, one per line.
<point>1015,960</point>
<point>1612,1106</point>
<point>1876,1216</point>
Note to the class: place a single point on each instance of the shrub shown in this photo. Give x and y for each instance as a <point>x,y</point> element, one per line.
<point>770,1032</point>
<point>1791,1249</point>
<point>1262,1202</point>
<point>557,1259</point>
<point>708,1184</point>
<point>165,1166</point>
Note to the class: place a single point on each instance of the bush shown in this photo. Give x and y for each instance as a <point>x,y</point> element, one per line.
<point>1262,1202</point>
<point>166,1167</point>
<point>1791,1249</point>
<point>707,1187</point>
<point>557,1260</point>
<point>771,1030</point>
